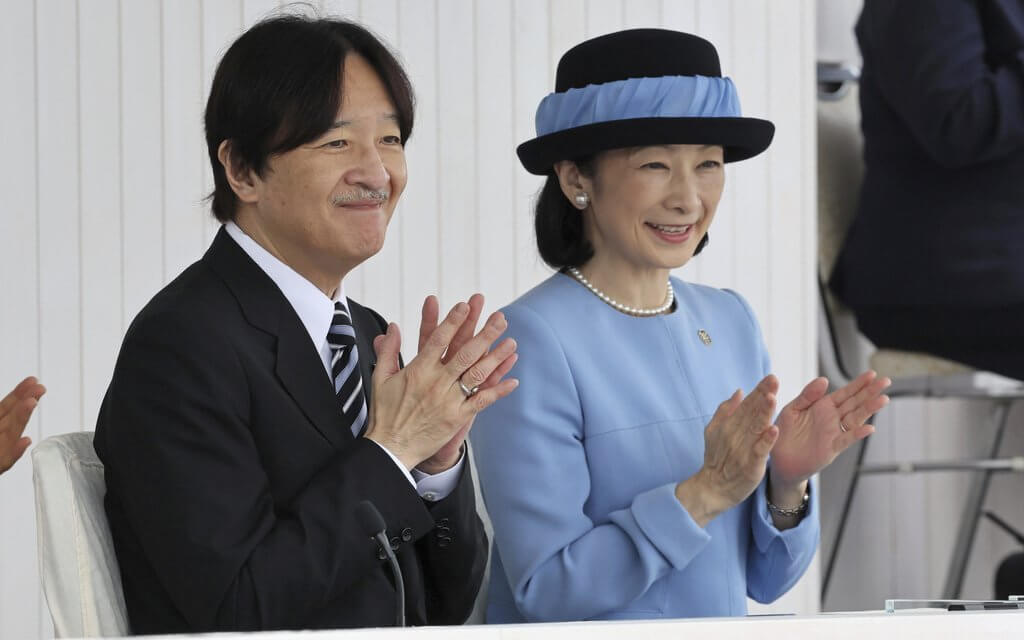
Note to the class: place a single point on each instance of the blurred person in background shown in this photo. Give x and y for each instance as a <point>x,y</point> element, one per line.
<point>933,260</point>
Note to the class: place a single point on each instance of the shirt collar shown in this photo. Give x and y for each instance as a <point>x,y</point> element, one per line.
<point>315,310</point>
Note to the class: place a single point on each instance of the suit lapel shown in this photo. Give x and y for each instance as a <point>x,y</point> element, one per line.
<point>302,373</point>
<point>298,365</point>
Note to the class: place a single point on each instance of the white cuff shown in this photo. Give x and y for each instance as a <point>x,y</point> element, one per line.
<point>438,486</point>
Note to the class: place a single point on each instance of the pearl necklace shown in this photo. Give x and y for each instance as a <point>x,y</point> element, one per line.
<point>618,306</point>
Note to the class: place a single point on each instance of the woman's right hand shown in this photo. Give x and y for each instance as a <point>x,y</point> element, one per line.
<point>737,442</point>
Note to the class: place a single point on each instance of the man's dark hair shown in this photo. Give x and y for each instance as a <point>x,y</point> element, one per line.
<point>561,240</point>
<point>279,87</point>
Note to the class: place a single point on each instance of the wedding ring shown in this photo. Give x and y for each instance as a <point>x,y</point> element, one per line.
<point>466,391</point>
<point>842,427</point>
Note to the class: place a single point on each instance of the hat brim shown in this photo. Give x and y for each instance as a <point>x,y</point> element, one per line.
<point>742,138</point>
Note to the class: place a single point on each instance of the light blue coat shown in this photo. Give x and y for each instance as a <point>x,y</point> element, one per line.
<point>579,465</point>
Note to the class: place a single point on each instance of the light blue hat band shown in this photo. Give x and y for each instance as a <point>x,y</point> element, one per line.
<point>664,97</point>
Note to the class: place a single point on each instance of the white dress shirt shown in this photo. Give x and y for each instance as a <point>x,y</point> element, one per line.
<point>316,311</point>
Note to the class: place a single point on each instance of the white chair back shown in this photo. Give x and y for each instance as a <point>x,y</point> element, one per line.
<point>80,576</point>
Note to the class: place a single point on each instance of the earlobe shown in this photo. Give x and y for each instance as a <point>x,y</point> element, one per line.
<point>243,181</point>
<point>572,184</point>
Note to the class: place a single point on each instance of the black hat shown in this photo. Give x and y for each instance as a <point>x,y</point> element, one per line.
<point>641,87</point>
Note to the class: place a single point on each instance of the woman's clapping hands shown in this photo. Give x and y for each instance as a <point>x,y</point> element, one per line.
<point>811,431</point>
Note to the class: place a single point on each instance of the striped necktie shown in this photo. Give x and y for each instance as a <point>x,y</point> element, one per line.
<point>348,383</point>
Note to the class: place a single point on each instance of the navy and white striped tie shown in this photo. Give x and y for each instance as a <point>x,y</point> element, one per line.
<point>348,383</point>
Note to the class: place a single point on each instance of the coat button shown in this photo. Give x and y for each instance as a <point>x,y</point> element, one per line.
<point>444,541</point>
<point>395,543</point>
<point>443,531</point>
<point>380,553</point>
<point>443,522</point>
<point>406,534</point>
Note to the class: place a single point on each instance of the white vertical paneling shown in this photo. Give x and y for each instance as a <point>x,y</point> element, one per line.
<point>221,23</point>
<point>379,271</point>
<point>786,201</point>
<point>641,13</point>
<point>122,169</point>
<point>184,210</point>
<point>530,50</point>
<point>342,8</point>
<point>566,28</point>
<point>22,611</point>
<point>459,253</point>
<point>255,10</point>
<point>496,172</point>
<point>679,14</point>
<point>58,223</point>
<point>603,16</point>
<point>714,266</point>
<point>59,216</point>
<point>142,185</point>
<point>100,99</point>
<point>418,209</point>
<point>749,180</point>
<point>807,294</point>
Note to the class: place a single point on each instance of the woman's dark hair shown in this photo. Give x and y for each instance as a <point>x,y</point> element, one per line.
<point>559,225</point>
<point>279,87</point>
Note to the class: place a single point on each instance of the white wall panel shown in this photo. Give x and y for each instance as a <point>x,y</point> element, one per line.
<point>533,79</point>
<point>458,251</point>
<point>379,273</point>
<point>142,181</point>
<point>496,172</point>
<point>185,213</point>
<point>101,214</point>
<point>419,206</point>
<point>21,609</point>
<point>220,23</point>
<point>103,182</point>
<point>603,16</point>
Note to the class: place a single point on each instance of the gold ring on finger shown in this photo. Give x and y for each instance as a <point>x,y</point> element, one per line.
<point>466,391</point>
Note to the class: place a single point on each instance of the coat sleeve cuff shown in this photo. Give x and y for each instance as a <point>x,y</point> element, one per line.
<point>668,526</point>
<point>794,541</point>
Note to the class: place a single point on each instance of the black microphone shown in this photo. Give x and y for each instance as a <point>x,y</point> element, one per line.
<point>1005,526</point>
<point>373,524</point>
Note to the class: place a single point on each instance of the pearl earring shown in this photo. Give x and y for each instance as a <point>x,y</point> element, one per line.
<point>582,200</point>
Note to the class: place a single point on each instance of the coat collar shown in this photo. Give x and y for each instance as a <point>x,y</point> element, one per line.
<point>298,364</point>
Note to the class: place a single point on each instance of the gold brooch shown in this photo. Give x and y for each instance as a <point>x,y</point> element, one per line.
<point>704,337</point>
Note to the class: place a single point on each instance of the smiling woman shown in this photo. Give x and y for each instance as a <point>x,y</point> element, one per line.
<point>628,477</point>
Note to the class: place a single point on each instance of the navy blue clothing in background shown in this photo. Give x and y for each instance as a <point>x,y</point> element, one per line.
<point>940,223</point>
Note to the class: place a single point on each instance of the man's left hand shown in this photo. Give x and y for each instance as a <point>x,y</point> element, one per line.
<point>448,455</point>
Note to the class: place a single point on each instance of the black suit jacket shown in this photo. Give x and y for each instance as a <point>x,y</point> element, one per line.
<point>941,215</point>
<point>231,480</point>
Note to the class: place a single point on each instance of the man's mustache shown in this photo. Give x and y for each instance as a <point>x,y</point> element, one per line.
<point>359,195</point>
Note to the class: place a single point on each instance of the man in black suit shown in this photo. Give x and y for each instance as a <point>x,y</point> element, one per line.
<point>932,261</point>
<point>253,406</point>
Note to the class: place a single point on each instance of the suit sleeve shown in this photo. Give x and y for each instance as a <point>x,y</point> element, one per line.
<point>454,553</point>
<point>189,479</point>
<point>928,60</point>
<point>776,559</point>
<point>534,474</point>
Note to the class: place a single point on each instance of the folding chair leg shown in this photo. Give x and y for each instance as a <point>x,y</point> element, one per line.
<point>830,564</point>
<point>972,508</point>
